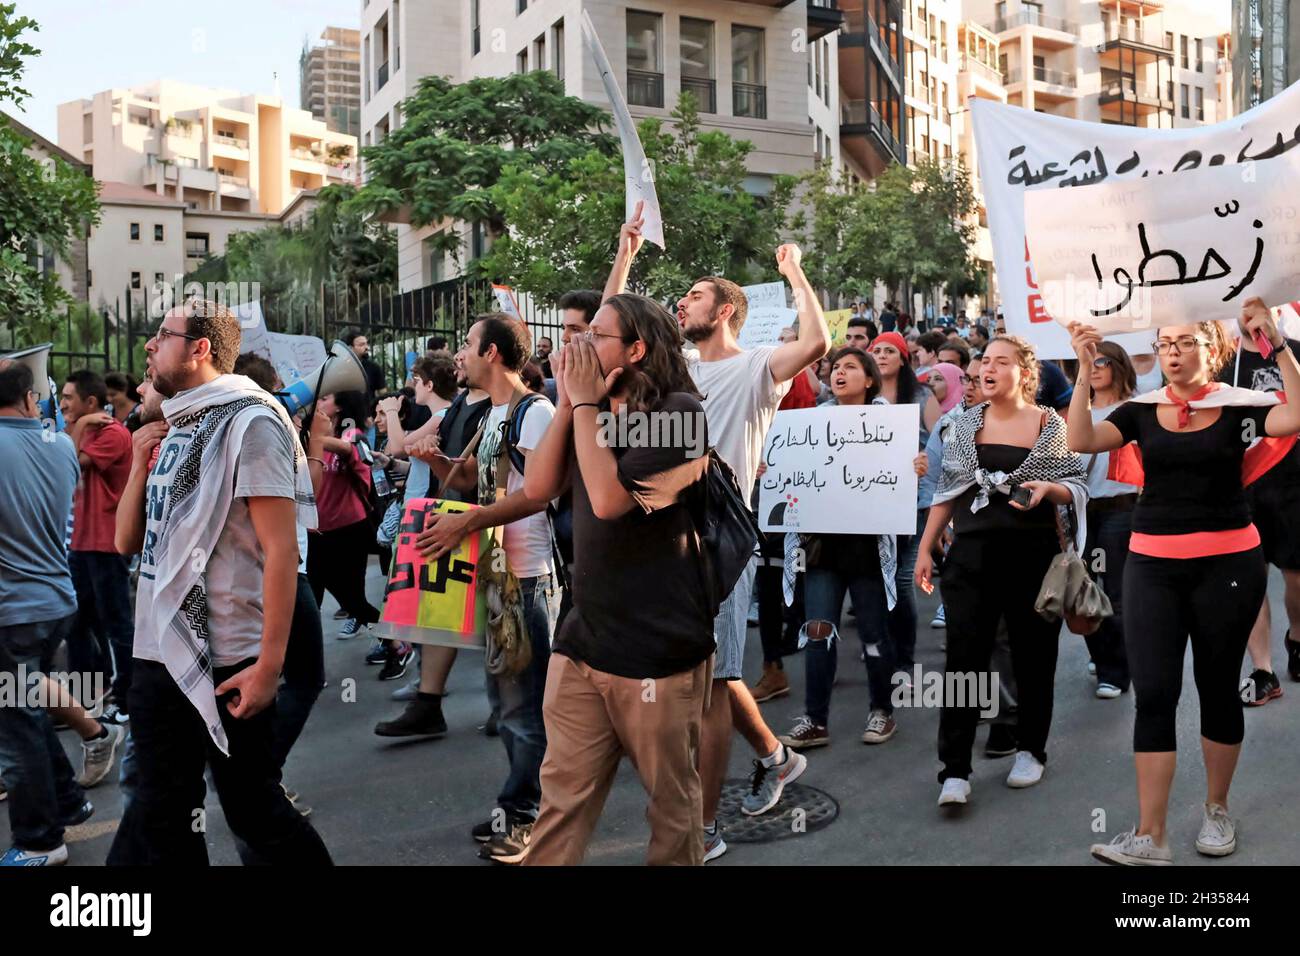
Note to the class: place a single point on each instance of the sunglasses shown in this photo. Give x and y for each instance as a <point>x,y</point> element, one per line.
<point>1102,362</point>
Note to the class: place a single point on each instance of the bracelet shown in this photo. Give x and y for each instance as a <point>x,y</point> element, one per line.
<point>595,405</point>
<point>317,460</point>
<point>1284,347</point>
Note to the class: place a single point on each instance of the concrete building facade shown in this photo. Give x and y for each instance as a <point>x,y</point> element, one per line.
<point>329,83</point>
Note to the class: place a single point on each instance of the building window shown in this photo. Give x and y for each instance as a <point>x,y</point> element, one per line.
<point>521,61</point>
<point>397,41</point>
<point>1200,56</point>
<point>697,63</point>
<point>135,280</point>
<point>557,50</point>
<point>539,53</point>
<point>158,232</point>
<point>135,232</point>
<point>1200,104</point>
<point>196,245</point>
<point>1169,41</point>
<point>159,279</point>
<point>748,89</point>
<point>645,78</point>
<point>1186,110</point>
<point>365,50</point>
<point>520,6</point>
<point>1182,51</point>
<point>474,39</point>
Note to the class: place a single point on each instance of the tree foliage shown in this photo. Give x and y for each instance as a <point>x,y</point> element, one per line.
<point>563,222</point>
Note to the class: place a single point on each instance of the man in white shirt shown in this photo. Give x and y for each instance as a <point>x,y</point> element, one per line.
<point>741,389</point>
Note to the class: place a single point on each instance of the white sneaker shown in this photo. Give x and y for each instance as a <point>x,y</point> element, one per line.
<point>16,857</point>
<point>1026,772</point>
<point>714,845</point>
<point>940,618</point>
<point>955,790</point>
<point>1218,837</point>
<point>1092,668</point>
<point>1129,849</point>
<point>97,756</point>
<point>1108,691</point>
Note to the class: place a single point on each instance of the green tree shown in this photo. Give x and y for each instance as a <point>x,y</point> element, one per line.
<point>457,139</point>
<point>563,221</point>
<point>41,206</point>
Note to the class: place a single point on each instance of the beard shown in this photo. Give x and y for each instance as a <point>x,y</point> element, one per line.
<point>162,385</point>
<point>698,331</point>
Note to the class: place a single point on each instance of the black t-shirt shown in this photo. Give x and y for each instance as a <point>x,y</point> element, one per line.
<point>639,604</point>
<point>857,555</point>
<point>1193,479</point>
<point>458,425</point>
<point>1263,375</point>
<point>998,515</point>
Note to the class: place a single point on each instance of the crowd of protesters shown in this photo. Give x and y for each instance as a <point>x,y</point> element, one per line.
<point>231,521</point>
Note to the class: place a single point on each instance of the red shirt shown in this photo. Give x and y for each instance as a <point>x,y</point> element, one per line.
<point>95,507</point>
<point>801,394</point>
<point>339,502</point>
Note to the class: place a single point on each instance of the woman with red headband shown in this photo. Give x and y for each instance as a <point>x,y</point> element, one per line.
<point>1195,567</point>
<point>899,386</point>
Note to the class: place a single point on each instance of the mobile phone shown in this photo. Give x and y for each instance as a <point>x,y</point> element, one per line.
<point>1021,495</point>
<point>383,487</point>
<point>364,451</point>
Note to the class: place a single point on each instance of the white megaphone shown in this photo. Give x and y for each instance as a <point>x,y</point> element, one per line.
<point>342,371</point>
<point>37,358</point>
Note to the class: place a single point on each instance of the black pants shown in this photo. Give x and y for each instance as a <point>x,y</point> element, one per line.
<point>102,637</point>
<point>1106,553</point>
<point>304,673</point>
<point>778,625</point>
<point>987,577</point>
<point>336,562</point>
<point>1214,601</point>
<point>163,825</point>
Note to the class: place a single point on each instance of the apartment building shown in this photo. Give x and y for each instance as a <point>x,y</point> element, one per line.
<point>1130,62</point>
<point>211,150</point>
<point>873,78</point>
<point>750,66</point>
<point>329,83</point>
<point>1264,50</point>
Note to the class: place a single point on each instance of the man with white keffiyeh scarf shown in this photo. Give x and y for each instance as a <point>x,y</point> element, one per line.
<point>1007,470</point>
<point>218,569</point>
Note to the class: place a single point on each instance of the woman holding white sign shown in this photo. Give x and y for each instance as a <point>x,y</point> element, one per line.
<point>1006,466</point>
<point>1195,568</point>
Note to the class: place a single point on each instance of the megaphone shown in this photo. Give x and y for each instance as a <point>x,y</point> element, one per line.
<point>342,371</point>
<point>37,359</point>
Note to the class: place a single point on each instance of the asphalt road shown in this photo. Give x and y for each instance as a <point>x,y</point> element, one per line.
<point>380,802</point>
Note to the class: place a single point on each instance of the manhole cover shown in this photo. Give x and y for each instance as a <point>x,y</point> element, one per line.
<point>800,810</point>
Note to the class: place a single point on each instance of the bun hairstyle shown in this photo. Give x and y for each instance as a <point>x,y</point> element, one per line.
<point>1027,358</point>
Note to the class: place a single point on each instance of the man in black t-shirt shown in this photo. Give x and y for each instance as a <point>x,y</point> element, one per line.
<point>630,670</point>
<point>1275,507</point>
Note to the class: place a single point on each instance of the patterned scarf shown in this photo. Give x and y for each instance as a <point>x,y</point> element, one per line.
<point>1050,459</point>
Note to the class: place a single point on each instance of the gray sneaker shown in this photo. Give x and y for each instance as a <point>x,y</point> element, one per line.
<point>98,755</point>
<point>1129,849</point>
<point>1218,837</point>
<point>766,783</point>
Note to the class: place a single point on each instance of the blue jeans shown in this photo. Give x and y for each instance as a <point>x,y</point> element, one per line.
<point>103,635</point>
<point>902,619</point>
<point>1108,531</point>
<point>518,701</point>
<point>824,598</point>
<point>304,672</point>
<point>42,785</point>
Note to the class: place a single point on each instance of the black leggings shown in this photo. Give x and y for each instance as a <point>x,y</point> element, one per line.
<point>336,561</point>
<point>1213,600</point>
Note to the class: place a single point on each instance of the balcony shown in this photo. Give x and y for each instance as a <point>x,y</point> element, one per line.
<point>982,70</point>
<point>310,155</point>
<point>1137,37</point>
<point>1049,33</point>
<point>749,100</point>
<point>861,30</point>
<point>645,88</point>
<point>227,139</point>
<point>1122,88</point>
<point>824,17</point>
<point>858,117</point>
<point>227,179</point>
<point>381,77</point>
<point>705,91</point>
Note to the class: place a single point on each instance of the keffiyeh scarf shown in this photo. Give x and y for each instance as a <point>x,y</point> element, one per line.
<point>1050,459</point>
<point>194,515</point>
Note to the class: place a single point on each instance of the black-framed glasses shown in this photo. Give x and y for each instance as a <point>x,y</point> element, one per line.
<point>1102,361</point>
<point>1184,343</point>
<point>163,332</point>
<point>590,336</point>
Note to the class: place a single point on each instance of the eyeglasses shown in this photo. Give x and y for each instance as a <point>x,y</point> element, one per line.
<point>1101,361</point>
<point>967,380</point>
<point>163,332</point>
<point>591,335</point>
<point>1184,343</point>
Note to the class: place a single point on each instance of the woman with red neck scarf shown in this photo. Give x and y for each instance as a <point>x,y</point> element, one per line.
<point>1195,568</point>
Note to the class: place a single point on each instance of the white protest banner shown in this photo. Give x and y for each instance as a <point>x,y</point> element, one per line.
<point>295,356</point>
<point>505,297</point>
<point>1022,150</point>
<point>1135,255</point>
<point>763,326</point>
<point>841,469</point>
<point>638,174</point>
<point>765,294</point>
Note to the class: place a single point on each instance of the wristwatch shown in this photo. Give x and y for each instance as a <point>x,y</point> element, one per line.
<point>1284,347</point>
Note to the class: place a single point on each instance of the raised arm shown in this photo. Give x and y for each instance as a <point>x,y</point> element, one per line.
<point>1085,437</point>
<point>630,241</point>
<point>814,339</point>
<point>128,530</point>
<point>548,466</point>
<point>598,467</point>
<point>1284,419</point>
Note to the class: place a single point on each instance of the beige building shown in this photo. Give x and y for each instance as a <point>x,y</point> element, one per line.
<point>330,80</point>
<point>1130,62</point>
<point>749,64</point>
<point>211,150</point>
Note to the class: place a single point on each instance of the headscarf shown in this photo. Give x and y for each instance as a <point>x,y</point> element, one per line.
<point>952,377</point>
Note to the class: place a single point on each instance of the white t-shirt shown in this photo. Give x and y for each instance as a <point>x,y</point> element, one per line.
<point>233,573</point>
<point>528,540</point>
<point>1099,486</point>
<point>740,399</point>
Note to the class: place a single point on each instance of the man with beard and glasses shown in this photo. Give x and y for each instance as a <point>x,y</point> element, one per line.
<point>218,569</point>
<point>741,390</point>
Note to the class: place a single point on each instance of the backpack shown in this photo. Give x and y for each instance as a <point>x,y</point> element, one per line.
<point>727,529</point>
<point>561,517</point>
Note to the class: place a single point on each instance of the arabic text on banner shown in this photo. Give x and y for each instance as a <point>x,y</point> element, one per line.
<point>1022,150</point>
<point>841,470</point>
<point>506,301</point>
<point>637,173</point>
<point>765,294</point>
<point>1135,255</point>
<point>763,326</point>
<point>837,320</point>
<point>293,356</point>
<point>435,602</point>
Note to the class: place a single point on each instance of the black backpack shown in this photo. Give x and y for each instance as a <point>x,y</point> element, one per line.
<point>561,518</point>
<point>727,528</point>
